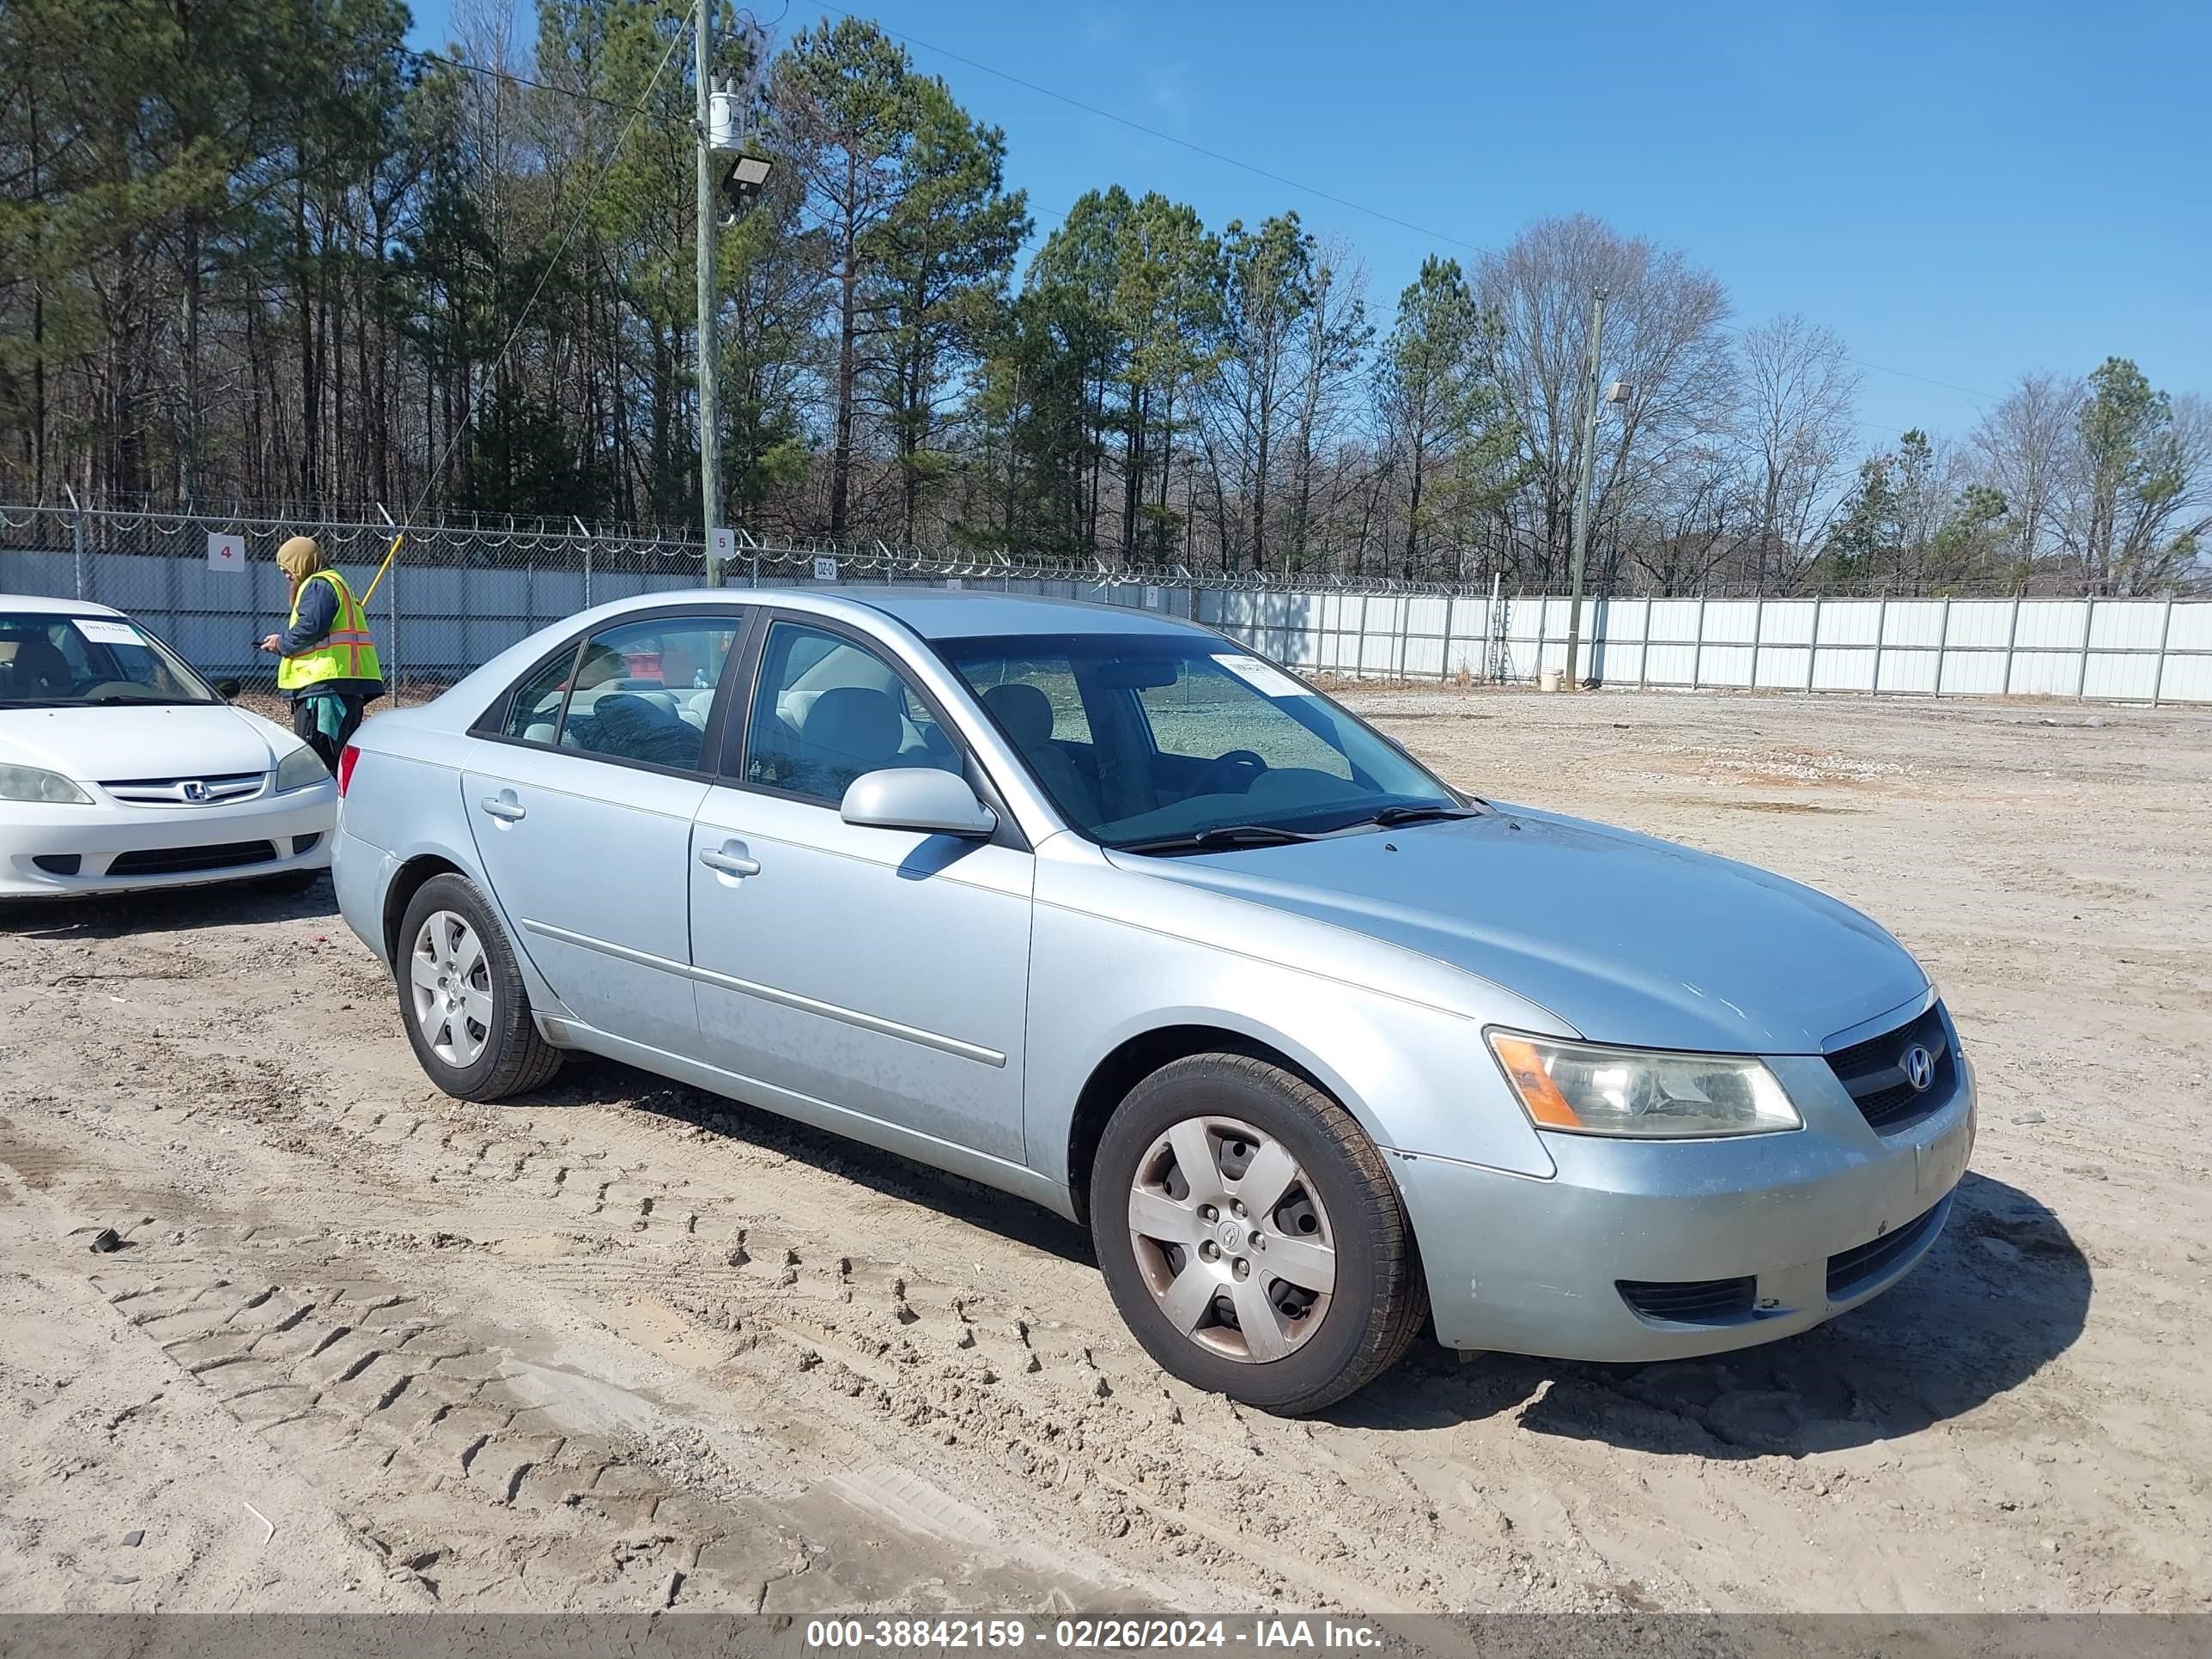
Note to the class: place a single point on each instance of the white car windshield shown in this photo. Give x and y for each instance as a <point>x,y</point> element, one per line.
<point>1170,743</point>
<point>50,661</point>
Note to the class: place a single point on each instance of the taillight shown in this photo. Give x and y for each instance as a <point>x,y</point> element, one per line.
<point>347,757</point>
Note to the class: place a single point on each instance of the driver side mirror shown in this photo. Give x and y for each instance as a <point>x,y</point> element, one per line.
<point>228,690</point>
<point>919,798</point>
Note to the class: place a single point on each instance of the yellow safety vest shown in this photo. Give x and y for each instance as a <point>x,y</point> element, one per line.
<point>346,653</point>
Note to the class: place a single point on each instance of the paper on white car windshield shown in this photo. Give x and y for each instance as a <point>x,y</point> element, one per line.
<point>101,632</point>
<point>1263,678</point>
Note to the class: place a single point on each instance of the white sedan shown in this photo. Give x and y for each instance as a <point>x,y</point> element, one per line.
<point>122,770</point>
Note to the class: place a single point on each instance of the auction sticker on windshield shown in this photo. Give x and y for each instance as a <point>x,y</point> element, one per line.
<point>100,632</point>
<point>1263,678</point>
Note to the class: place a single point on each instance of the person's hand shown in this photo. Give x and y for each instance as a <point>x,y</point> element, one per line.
<point>269,643</point>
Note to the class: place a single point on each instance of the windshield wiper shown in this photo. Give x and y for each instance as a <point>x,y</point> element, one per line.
<point>118,697</point>
<point>1218,839</point>
<point>1390,817</point>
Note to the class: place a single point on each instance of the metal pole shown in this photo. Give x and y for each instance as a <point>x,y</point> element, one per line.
<point>2012,634</point>
<point>1582,489</point>
<point>394,577</point>
<point>2081,673</point>
<point>710,473</point>
<point>1942,639</point>
<point>1698,652</point>
<point>1359,662</point>
<point>1493,644</point>
<point>1443,657</point>
<point>2165,635</point>
<point>1757,625</point>
<point>77,537</point>
<point>1643,654</point>
<point>1813,645</point>
<point>1881,631</point>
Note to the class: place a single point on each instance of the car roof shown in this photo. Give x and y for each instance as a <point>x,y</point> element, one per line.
<point>938,613</point>
<point>45,605</point>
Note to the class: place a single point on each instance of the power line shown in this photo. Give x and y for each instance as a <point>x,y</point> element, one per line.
<point>1168,137</point>
<point>523,316</point>
<point>1299,184</point>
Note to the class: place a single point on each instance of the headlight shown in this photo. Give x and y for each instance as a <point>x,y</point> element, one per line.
<point>1585,1089</point>
<point>29,783</point>
<point>302,766</point>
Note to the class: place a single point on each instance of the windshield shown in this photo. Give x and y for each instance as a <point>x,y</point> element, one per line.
<point>1155,739</point>
<point>48,661</point>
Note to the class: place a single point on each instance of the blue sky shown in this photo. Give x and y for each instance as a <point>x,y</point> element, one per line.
<point>1962,191</point>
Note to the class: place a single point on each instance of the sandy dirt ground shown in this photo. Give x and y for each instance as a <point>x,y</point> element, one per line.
<point>626,1345</point>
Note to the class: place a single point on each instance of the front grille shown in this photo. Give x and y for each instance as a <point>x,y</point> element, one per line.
<point>1873,1071</point>
<point>196,791</point>
<point>1690,1302</point>
<point>177,860</point>
<point>59,864</point>
<point>1853,1268</point>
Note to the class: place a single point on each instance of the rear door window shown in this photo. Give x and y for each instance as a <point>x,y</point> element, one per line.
<point>639,691</point>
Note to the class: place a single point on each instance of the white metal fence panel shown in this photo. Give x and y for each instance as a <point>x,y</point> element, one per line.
<point>459,596</point>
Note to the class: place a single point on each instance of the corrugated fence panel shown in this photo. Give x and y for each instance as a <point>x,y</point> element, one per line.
<point>453,615</point>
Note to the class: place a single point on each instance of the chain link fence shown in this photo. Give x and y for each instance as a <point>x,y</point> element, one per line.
<point>461,592</point>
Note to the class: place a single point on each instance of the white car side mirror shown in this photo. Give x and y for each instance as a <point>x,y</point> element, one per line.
<point>921,799</point>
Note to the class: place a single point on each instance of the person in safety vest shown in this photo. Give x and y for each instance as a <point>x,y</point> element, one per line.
<point>327,663</point>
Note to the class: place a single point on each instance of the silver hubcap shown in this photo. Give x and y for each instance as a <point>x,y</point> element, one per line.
<point>451,982</point>
<point>1232,1239</point>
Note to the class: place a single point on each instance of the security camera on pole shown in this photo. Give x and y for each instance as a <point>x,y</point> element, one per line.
<point>720,121</point>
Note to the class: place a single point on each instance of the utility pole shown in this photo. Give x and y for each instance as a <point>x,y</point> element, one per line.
<point>710,455</point>
<point>1582,489</point>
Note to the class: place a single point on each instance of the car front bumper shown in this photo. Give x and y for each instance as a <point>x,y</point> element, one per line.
<point>1820,1219</point>
<point>97,836</point>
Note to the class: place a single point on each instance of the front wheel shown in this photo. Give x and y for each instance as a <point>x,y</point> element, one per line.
<point>1251,1235</point>
<point>462,996</point>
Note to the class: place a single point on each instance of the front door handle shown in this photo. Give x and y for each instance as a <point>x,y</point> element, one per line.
<point>729,862</point>
<point>504,807</point>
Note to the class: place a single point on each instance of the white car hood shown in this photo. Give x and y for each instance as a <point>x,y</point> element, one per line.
<point>114,742</point>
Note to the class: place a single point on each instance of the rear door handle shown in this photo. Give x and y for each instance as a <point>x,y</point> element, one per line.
<point>505,808</point>
<point>729,862</point>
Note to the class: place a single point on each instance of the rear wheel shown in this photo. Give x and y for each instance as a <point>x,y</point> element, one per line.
<point>467,1013</point>
<point>1252,1237</point>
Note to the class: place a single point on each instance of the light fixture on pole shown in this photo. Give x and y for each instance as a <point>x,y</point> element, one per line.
<point>742,181</point>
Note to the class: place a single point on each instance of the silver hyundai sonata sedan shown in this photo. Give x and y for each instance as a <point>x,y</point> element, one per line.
<point>1102,909</point>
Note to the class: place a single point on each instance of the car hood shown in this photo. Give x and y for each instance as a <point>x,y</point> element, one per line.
<point>115,742</point>
<point>1627,938</point>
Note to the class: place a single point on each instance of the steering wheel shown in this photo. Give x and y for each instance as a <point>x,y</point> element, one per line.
<point>1219,770</point>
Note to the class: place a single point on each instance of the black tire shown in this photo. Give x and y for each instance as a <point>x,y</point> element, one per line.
<point>1380,1299</point>
<point>515,1058</point>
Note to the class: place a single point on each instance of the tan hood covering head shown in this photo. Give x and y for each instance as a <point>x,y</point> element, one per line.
<point>301,557</point>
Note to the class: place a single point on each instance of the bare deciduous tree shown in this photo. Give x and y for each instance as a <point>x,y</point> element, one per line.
<point>1798,390</point>
<point>1663,336</point>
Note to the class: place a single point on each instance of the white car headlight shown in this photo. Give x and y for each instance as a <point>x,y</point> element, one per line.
<point>1582,1089</point>
<point>30,783</point>
<point>302,766</point>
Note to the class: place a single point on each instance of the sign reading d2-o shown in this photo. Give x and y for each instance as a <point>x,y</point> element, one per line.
<point>825,568</point>
<point>226,552</point>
